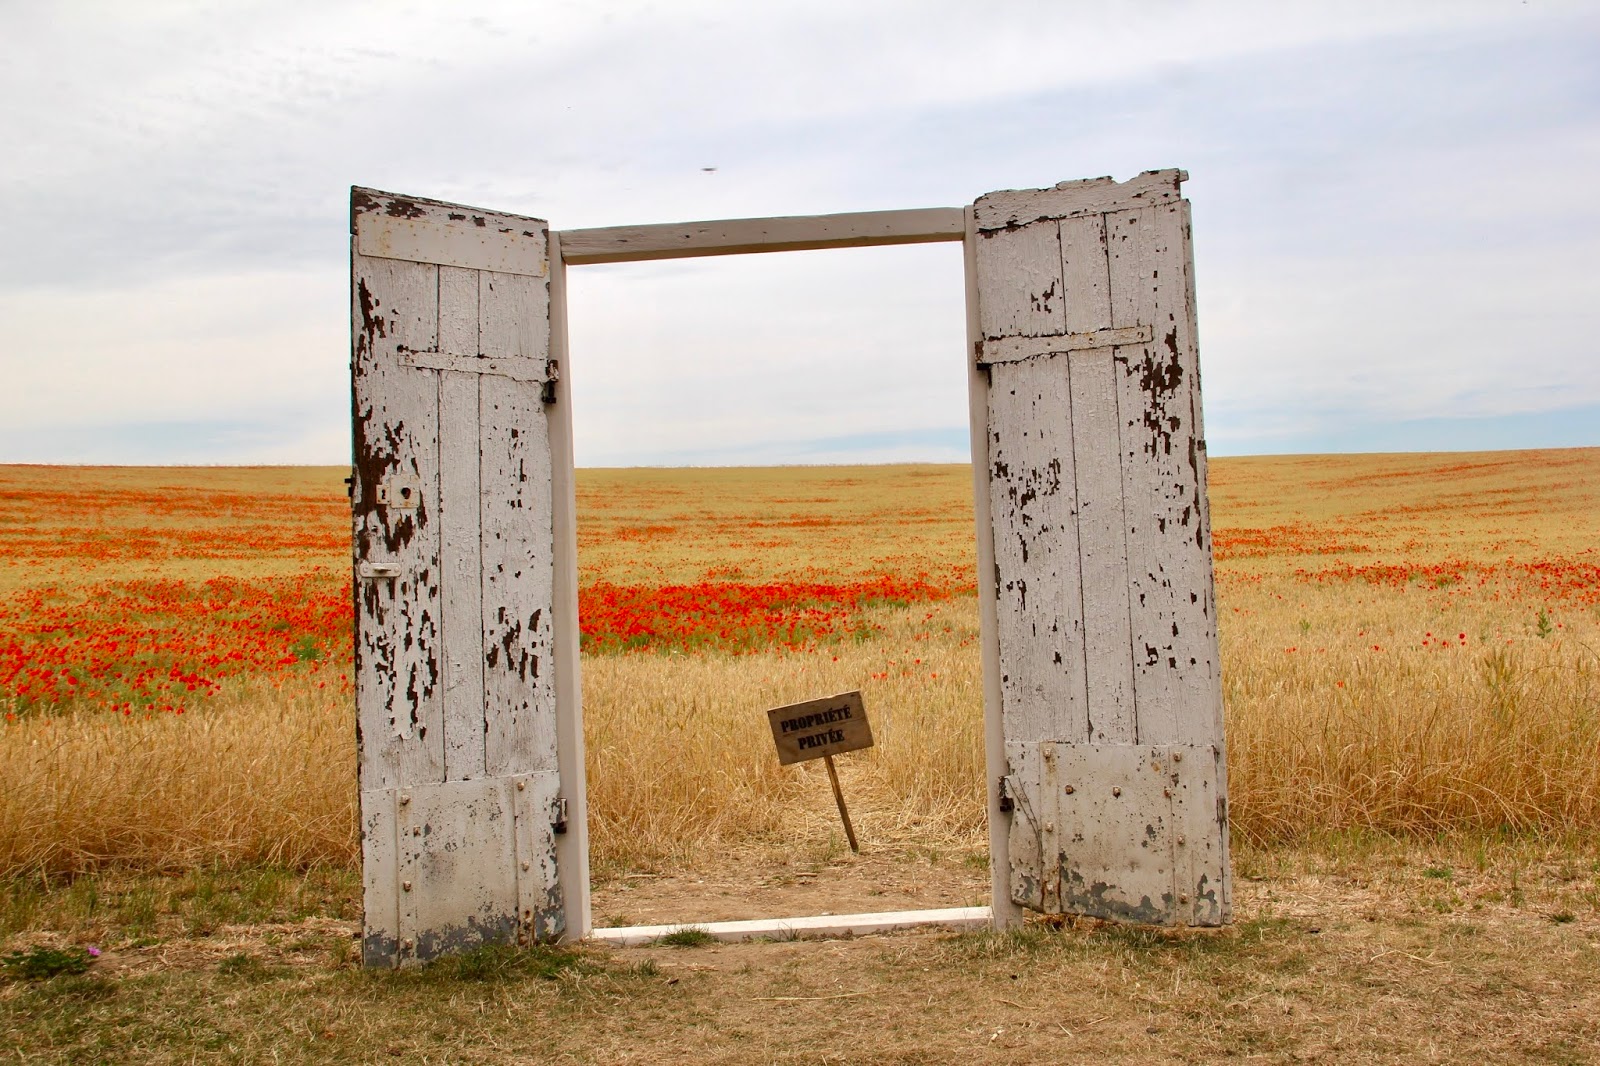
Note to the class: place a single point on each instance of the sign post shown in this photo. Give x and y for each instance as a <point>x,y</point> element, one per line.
<point>820,729</point>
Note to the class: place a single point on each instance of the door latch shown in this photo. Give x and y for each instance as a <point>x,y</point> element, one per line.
<point>378,570</point>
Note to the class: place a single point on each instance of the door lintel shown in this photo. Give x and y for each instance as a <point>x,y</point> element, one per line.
<point>743,236</point>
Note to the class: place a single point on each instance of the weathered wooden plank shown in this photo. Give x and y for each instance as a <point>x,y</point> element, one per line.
<point>397,669</point>
<point>417,235</point>
<point>518,369</point>
<point>1021,349</point>
<point>1019,272</point>
<point>380,890</point>
<point>572,847</point>
<point>457,868</point>
<point>1202,876</point>
<point>1090,196</point>
<point>515,508</point>
<point>737,236</point>
<point>1086,295</point>
<point>461,554</point>
<point>1116,828</point>
<point>1174,637</point>
<point>1093,831</point>
<point>1212,657</point>
<point>1004,911</point>
<point>1033,505</point>
<point>411,842</point>
<point>541,915</point>
<point>1031,869</point>
<point>1097,468</point>
<point>811,925</point>
<point>820,727</point>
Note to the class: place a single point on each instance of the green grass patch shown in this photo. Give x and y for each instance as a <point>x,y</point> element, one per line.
<point>40,962</point>
<point>688,937</point>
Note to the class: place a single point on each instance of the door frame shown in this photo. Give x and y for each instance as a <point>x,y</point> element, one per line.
<point>744,236</point>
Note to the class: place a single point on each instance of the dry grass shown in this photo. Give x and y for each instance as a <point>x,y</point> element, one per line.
<point>1369,953</point>
<point>265,775</point>
<point>1408,647</point>
<point>704,777</point>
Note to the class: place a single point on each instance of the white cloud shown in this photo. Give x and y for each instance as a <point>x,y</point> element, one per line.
<point>178,350</point>
<point>1389,220</point>
<point>716,356</point>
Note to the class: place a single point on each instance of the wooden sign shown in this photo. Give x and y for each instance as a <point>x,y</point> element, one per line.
<point>822,727</point>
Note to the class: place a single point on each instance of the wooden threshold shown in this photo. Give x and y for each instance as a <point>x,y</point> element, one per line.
<point>628,936</point>
<point>741,236</point>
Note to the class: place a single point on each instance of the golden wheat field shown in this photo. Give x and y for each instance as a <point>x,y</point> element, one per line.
<point>1411,645</point>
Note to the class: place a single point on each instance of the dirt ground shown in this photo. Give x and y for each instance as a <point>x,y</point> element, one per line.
<point>1405,955</point>
<point>779,887</point>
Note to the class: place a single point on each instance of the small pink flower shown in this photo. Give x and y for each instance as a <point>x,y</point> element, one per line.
<point>94,953</point>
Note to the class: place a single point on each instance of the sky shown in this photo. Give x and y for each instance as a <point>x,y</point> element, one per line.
<point>1396,244</point>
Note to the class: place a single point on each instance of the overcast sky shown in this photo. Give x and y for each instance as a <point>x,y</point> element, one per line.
<point>1397,243</point>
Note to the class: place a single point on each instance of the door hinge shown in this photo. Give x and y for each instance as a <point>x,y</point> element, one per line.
<point>547,392</point>
<point>558,814</point>
<point>1007,804</point>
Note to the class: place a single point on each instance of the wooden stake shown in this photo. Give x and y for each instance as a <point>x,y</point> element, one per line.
<point>838,797</point>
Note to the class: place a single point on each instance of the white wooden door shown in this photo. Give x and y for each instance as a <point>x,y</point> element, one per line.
<point>1104,613</point>
<point>455,573</point>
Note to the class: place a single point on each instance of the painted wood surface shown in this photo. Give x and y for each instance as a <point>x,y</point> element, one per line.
<point>380,877</point>
<point>1021,349</point>
<point>1174,629</point>
<point>1132,832</point>
<point>814,925</point>
<point>1033,504</point>
<point>1072,199</point>
<point>454,564</point>
<point>541,820</point>
<point>518,545</point>
<point>398,620</point>
<point>737,236</point>
<point>1105,623</point>
<point>1020,273</point>
<point>1093,402</point>
<point>572,847</point>
<point>1004,912</point>
<point>461,552</point>
<point>427,238</point>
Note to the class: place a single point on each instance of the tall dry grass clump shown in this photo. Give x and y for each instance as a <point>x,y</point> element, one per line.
<point>264,773</point>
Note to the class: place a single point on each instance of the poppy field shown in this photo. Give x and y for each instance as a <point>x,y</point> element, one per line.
<point>1411,644</point>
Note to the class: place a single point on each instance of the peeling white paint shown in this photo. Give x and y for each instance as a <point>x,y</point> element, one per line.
<point>455,672</point>
<point>1105,617</point>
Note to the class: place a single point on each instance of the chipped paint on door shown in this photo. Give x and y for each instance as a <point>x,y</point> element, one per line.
<point>1125,831</point>
<point>1105,612</point>
<point>451,501</point>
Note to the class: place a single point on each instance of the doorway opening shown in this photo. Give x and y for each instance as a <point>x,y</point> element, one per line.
<point>774,505</point>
